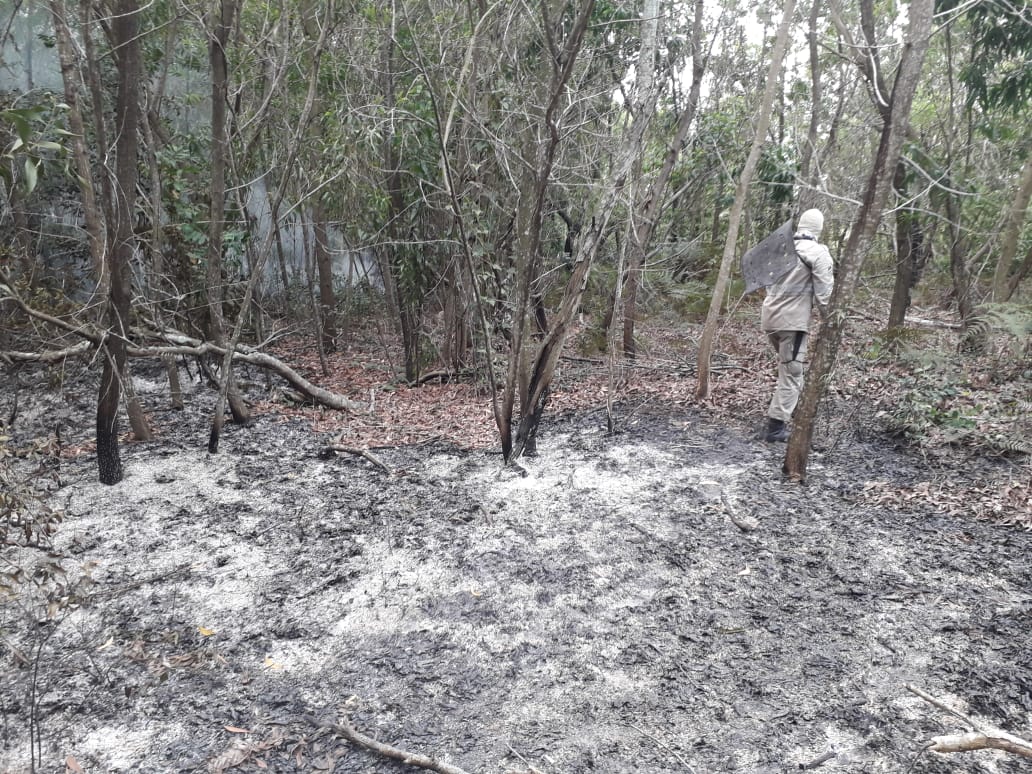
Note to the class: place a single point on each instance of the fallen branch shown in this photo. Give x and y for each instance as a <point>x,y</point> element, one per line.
<point>818,761</point>
<point>49,356</point>
<point>179,573</point>
<point>924,323</point>
<point>981,737</point>
<point>347,731</point>
<point>977,740</point>
<point>329,451</point>
<point>744,523</point>
<point>178,344</point>
<point>185,345</point>
<point>441,376</point>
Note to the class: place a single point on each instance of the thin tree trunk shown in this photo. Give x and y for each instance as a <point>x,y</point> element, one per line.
<point>652,206</point>
<point>541,366</point>
<point>226,10</point>
<point>533,188</point>
<point>909,251</point>
<point>405,285</point>
<point>324,267</point>
<point>709,331</point>
<point>91,64</point>
<point>1023,270</point>
<point>92,215</point>
<point>274,224</point>
<point>258,266</point>
<point>126,43</point>
<point>959,268</point>
<point>862,235</point>
<point>1012,231</point>
<point>809,172</point>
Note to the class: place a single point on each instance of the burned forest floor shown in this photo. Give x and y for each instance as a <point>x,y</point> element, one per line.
<point>653,599</point>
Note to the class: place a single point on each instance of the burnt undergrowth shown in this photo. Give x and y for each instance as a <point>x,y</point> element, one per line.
<point>600,609</point>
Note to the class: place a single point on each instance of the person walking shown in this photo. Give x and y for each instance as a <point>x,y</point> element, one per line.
<point>785,318</point>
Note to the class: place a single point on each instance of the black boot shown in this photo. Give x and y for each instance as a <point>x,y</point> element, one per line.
<point>777,431</point>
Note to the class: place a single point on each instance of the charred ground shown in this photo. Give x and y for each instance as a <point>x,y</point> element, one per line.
<point>598,611</point>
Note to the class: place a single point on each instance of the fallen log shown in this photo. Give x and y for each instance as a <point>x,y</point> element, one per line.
<point>47,356</point>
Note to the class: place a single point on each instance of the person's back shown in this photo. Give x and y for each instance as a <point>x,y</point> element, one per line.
<point>785,317</point>
<point>789,301</point>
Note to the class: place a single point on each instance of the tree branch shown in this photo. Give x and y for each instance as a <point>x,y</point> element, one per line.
<point>49,356</point>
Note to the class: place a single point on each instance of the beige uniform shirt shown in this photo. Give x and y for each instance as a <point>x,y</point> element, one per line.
<point>789,301</point>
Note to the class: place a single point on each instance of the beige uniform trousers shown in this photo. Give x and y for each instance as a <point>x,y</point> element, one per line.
<point>791,349</point>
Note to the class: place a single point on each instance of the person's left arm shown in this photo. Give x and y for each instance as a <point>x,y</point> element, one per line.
<point>823,274</point>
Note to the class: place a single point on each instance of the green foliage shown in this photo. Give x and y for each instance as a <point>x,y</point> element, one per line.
<point>1005,328</point>
<point>777,171</point>
<point>185,195</point>
<point>34,139</point>
<point>951,400</point>
<point>999,75</point>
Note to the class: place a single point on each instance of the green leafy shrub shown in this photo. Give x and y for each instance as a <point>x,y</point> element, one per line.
<point>966,402</point>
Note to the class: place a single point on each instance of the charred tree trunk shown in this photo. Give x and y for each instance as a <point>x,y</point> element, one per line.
<point>541,365</point>
<point>529,213</point>
<point>226,10</point>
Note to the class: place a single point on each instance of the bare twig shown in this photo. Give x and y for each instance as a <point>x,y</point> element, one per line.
<point>818,761</point>
<point>981,737</point>
<point>348,731</point>
<point>531,768</point>
<point>969,722</point>
<point>364,453</point>
<point>443,376</point>
<point>665,746</point>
